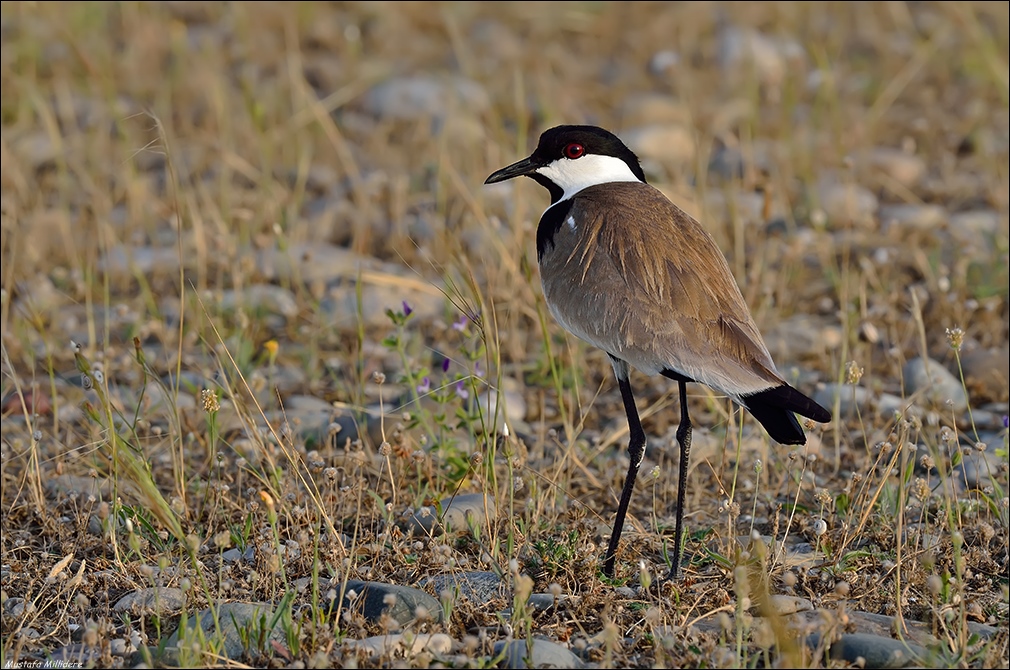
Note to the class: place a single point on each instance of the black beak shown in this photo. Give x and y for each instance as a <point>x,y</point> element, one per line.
<point>525,167</point>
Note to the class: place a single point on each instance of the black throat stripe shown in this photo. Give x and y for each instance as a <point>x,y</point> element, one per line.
<point>550,223</point>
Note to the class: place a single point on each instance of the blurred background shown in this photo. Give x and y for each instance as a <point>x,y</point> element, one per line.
<point>274,188</point>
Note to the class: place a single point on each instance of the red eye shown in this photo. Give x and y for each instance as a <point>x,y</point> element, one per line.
<point>574,150</point>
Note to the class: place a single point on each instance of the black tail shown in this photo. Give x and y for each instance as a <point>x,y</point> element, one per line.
<point>776,410</point>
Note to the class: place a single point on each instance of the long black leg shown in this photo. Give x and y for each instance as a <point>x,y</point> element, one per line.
<point>684,438</point>
<point>636,451</point>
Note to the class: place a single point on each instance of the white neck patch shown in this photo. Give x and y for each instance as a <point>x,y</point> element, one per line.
<point>590,170</point>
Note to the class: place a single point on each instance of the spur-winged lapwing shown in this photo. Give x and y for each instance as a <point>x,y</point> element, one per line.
<point>628,271</point>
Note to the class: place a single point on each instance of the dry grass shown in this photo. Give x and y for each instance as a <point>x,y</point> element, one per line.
<point>215,131</point>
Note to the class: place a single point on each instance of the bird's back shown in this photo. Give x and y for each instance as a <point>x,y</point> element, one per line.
<point>628,271</point>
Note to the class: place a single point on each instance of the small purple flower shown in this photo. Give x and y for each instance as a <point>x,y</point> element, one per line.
<point>461,389</point>
<point>424,386</point>
<point>477,369</point>
<point>407,309</point>
<point>1006,421</point>
<point>460,323</point>
<point>445,365</point>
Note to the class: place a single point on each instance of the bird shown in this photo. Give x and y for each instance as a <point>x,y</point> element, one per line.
<point>626,270</point>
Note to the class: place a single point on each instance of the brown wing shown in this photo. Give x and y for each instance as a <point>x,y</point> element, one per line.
<point>643,280</point>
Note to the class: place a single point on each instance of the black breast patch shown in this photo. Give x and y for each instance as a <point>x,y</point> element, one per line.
<point>550,223</point>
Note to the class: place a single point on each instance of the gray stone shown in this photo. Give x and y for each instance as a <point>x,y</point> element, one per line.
<point>121,262</point>
<point>931,381</point>
<point>343,310</point>
<point>783,604</point>
<point>874,650</point>
<point>71,656</point>
<point>479,587</point>
<point>976,224</point>
<point>239,623</point>
<point>645,109</point>
<point>233,555</point>
<point>509,405</point>
<point>979,469</point>
<point>38,150</point>
<point>457,513</point>
<point>543,654</point>
<point>401,603</point>
<point>152,600</point>
<point>802,336</point>
<point>845,203</point>
<point>745,52</point>
<point>668,144</point>
<point>850,398</point>
<point>985,373</point>
<point>311,263</point>
<point>894,165</point>
<point>414,97</point>
<point>97,487</point>
<point>923,217</point>
<point>260,298</point>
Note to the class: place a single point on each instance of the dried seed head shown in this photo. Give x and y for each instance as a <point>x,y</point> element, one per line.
<point>476,458</point>
<point>853,373</point>
<point>955,338</point>
<point>378,377</point>
<point>211,403</point>
<point>385,449</point>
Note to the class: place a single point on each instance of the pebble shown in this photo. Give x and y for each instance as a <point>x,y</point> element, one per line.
<point>71,656</point>
<point>670,144</point>
<point>260,298</point>
<point>236,619</point>
<point>458,511</point>
<point>341,307</point>
<point>98,487</point>
<point>152,600</point>
<point>646,109</point>
<point>872,651</point>
<point>409,98</point>
<point>310,263</point>
<point>401,603</point>
<point>403,643</point>
<point>930,380</point>
<point>234,555</point>
<point>896,165</point>
<point>123,263</point>
<point>510,404</point>
<point>976,225</point>
<point>979,469</point>
<point>748,52</point>
<point>37,149</point>
<point>846,203</point>
<point>544,654</point>
<point>479,587</point>
<point>985,374</point>
<point>852,397</point>
<point>784,604</point>
<point>802,336</point>
<point>922,217</point>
